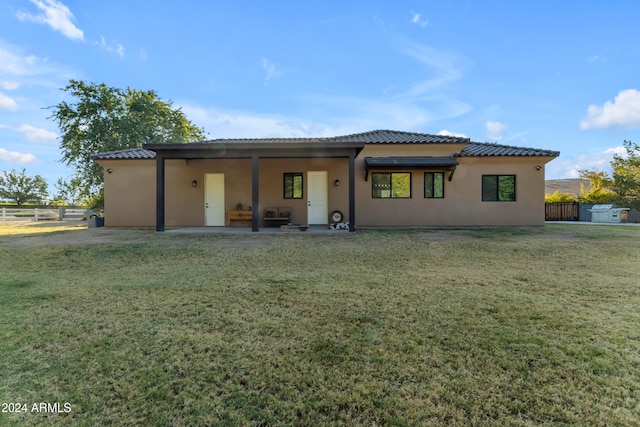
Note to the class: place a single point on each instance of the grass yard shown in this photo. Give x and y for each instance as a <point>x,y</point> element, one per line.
<point>410,327</point>
<point>18,228</point>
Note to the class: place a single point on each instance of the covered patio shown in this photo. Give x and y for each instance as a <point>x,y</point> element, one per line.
<point>255,150</point>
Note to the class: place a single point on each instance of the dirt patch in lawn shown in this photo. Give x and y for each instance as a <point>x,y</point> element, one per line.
<point>23,234</point>
<point>60,238</point>
<point>218,240</point>
<point>442,235</point>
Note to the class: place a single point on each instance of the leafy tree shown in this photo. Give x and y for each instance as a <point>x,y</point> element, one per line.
<point>69,190</point>
<point>103,118</point>
<point>600,188</point>
<point>558,197</point>
<point>626,175</point>
<point>20,188</point>
<point>96,202</point>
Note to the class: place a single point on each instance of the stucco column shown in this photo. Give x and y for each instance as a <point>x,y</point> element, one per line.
<point>352,191</point>
<point>159,192</point>
<point>255,191</point>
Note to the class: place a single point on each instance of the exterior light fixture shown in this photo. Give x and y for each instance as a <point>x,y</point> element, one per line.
<point>109,170</point>
<point>337,183</point>
<point>194,183</point>
<point>538,167</point>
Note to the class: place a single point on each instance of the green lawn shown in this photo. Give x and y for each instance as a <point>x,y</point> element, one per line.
<point>524,326</point>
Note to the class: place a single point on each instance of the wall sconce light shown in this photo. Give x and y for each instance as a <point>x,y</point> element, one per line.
<point>194,183</point>
<point>337,183</point>
<point>538,167</point>
<point>109,170</point>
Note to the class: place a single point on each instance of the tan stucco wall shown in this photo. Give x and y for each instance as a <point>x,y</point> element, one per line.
<point>184,204</point>
<point>130,190</point>
<point>129,193</point>
<point>271,184</point>
<point>462,204</point>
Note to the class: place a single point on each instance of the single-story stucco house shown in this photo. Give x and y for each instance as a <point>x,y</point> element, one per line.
<point>377,178</point>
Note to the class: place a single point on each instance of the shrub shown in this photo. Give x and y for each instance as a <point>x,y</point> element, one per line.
<point>558,197</point>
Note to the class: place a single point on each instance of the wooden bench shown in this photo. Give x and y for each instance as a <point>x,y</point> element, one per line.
<point>238,215</point>
<point>276,216</point>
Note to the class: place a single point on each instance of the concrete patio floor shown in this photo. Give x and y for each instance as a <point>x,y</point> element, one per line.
<point>313,229</point>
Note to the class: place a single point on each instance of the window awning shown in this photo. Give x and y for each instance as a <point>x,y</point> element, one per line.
<point>431,163</point>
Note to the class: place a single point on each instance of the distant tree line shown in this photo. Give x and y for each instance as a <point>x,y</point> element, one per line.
<point>20,188</point>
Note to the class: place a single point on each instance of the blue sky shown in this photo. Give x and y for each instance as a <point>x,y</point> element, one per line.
<point>545,74</point>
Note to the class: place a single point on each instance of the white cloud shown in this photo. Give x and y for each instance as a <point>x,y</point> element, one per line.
<point>244,124</point>
<point>623,112</point>
<point>56,15</point>
<point>597,58</point>
<point>416,18</point>
<point>495,130</point>
<point>29,76</point>
<point>412,107</point>
<point>7,103</point>
<point>418,104</point>
<point>423,101</point>
<point>111,47</point>
<point>570,167</point>
<point>271,70</point>
<point>346,115</point>
<point>16,157</point>
<point>9,85</point>
<point>33,133</point>
<point>445,132</point>
<point>445,69</point>
<point>620,151</point>
<point>15,64</point>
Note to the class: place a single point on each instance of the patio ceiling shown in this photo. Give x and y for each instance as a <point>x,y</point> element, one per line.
<point>264,149</point>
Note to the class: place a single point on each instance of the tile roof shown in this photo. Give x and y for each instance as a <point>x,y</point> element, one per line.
<point>129,154</point>
<point>372,137</point>
<point>396,137</point>
<point>479,149</point>
<point>472,149</point>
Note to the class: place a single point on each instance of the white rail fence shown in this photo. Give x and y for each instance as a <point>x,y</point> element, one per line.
<point>40,214</point>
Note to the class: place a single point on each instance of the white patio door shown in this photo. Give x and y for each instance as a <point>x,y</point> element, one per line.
<point>317,199</point>
<point>214,199</point>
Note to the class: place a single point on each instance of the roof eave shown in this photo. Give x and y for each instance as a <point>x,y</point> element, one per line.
<point>245,146</point>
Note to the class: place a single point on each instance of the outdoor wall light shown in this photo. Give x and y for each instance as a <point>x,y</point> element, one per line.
<point>337,183</point>
<point>109,170</point>
<point>194,183</point>
<point>538,167</point>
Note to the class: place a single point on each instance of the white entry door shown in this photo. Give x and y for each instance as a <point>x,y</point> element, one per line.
<point>214,199</point>
<point>317,199</point>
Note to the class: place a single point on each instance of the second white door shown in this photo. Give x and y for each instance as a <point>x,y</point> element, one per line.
<point>317,199</point>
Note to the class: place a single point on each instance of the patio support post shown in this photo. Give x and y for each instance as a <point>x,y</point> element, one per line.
<point>255,187</point>
<point>352,191</point>
<point>159,191</point>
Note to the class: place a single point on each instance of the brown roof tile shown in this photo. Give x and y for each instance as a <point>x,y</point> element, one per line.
<point>480,149</point>
<point>471,149</point>
<point>129,154</point>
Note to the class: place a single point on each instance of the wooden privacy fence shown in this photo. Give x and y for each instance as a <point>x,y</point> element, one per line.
<point>561,211</point>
